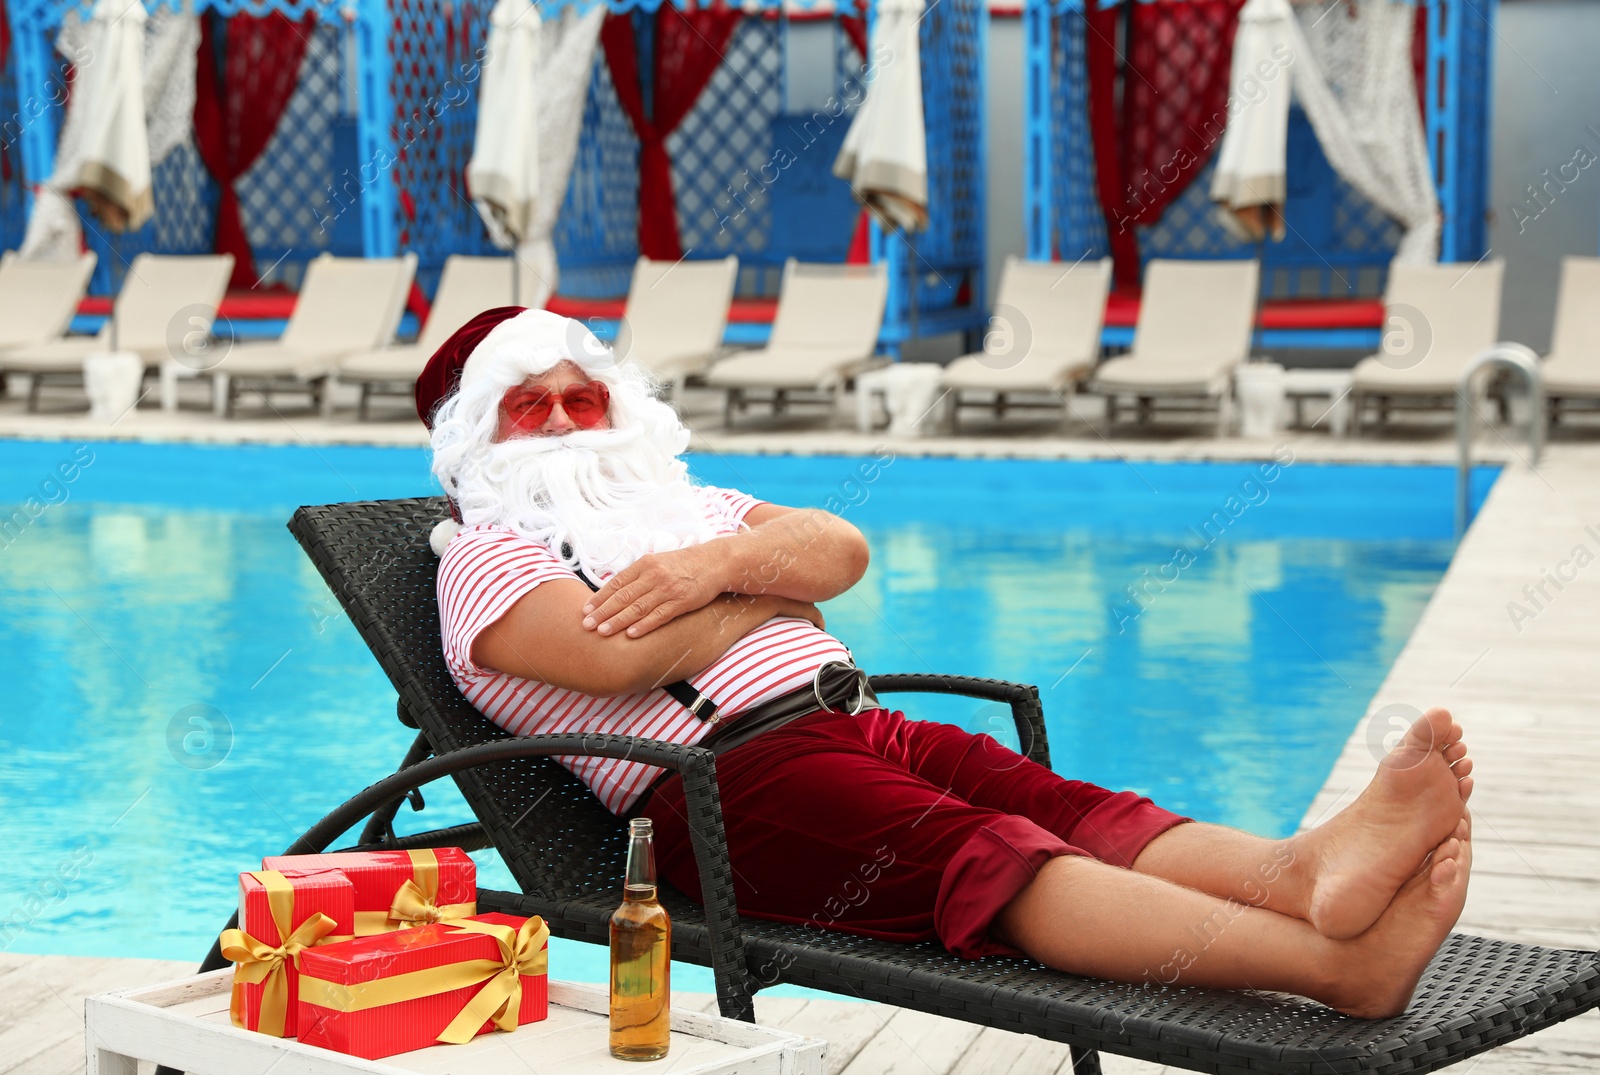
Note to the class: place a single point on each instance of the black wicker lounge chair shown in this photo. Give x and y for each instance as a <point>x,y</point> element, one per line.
<point>566,852</point>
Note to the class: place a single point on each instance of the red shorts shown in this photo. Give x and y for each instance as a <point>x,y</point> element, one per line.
<point>898,829</point>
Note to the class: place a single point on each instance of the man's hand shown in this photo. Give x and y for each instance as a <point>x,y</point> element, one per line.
<point>803,554</point>
<point>654,590</point>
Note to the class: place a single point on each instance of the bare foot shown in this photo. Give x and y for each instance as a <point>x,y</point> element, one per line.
<point>1367,852</point>
<point>1383,965</point>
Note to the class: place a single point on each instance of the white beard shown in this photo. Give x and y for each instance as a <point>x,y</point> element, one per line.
<point>612,495</point>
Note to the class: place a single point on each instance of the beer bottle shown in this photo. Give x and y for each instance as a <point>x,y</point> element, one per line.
<point>641,938</point>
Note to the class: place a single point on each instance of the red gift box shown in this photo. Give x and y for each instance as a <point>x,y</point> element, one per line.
<point>279,917</point>
<point>397,889</point>
<point>376,996</point>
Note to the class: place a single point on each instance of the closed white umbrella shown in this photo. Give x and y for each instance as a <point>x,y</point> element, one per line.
<point>503,173</point>
<point>114,166</point>
<point>1249,184</point>
<point>885,153</point>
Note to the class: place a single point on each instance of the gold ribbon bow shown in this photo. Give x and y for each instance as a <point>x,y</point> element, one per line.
<point>522,951</point>
<point>415,902</point>
<point>260,962</point>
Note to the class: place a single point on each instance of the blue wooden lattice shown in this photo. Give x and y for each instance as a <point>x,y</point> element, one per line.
<point>945,275</point>
<point>596,236</point>
<point>1080,226</point>
<point>720,148</point>
<point>732,175</point>
<point>434,87</point>
<point>13,210</point>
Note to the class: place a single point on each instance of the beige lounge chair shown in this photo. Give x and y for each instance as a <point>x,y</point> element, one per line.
<point>346,306</point>
<point>1044,338</point>
<point>1195,323</point>
<point>1572,368</point>
<point>1437,319</point>
<point>467,287</point>
<point>37,301</point>
<point>825,332</point>
<point>164,311</point>
<point>676,314</point>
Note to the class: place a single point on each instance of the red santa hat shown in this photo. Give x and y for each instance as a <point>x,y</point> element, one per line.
<point>441,377</point>
<point>534,341</point>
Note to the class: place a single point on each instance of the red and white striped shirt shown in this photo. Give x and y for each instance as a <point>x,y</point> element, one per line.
<point>487,569</point>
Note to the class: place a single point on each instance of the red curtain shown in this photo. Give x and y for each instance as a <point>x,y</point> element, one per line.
<point>860,252</point>
<point>1157,108</point>
<point>855,28</point>
<point>688,49</point>
<point>241,92</point>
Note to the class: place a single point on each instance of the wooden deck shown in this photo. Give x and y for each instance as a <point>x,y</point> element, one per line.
<point>1527,691</point>
<point>41,1025</point>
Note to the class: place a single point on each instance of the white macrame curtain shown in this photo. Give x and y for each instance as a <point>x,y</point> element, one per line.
<point>171,42</point>
<point>1350,68</point>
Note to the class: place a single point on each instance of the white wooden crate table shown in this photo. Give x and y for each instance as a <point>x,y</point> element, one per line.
<point>185,1025</point>
<point>909,391</point>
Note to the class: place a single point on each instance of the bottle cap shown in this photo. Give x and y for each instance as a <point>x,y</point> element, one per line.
<point>641,826</point>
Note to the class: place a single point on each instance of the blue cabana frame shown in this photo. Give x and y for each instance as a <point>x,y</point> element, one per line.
<point>1062,216</point>
<point>369,160</point>
<point>13,192</point>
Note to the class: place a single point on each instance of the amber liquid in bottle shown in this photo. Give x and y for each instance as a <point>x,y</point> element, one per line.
<point>641,940</point>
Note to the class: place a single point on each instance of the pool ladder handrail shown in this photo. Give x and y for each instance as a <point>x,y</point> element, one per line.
<point>1512,356</point>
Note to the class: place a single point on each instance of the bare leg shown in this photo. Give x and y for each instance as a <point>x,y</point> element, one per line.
<point>1341,875</point>
<point>1278,875</point>
<point>1086,917</point>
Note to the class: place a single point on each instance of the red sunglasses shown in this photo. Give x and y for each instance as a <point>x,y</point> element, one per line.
<point>585,404</point>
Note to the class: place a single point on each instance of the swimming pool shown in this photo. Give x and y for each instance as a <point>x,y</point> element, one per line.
<point>1207,634</point>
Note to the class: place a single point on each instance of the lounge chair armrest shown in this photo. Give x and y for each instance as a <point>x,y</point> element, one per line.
<point>696,765</point>
<point>1023,698</point>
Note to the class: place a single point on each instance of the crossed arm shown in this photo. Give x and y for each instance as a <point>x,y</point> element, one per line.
<point>672,615</point>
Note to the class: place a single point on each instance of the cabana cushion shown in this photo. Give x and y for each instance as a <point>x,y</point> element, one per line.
<point>1122,311</point>
<point>235,306</point>
<point>747,311</point>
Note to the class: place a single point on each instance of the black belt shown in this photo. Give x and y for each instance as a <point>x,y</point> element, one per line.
<point>837,687</point>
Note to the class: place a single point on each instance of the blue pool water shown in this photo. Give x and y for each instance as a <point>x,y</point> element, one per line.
<point>147,585</point>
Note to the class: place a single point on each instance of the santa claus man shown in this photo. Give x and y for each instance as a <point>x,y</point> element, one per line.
<point>591,584</point>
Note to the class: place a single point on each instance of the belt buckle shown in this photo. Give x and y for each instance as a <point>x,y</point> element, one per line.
<point>858,706</point>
